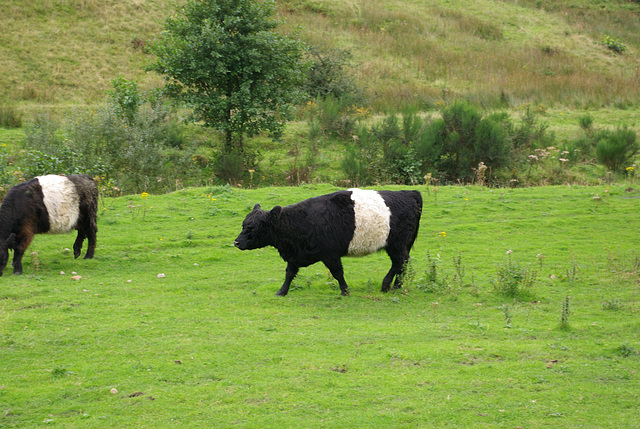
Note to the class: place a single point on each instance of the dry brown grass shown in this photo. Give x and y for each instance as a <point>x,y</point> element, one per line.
<point>405,51</point>
<point>409,52</point>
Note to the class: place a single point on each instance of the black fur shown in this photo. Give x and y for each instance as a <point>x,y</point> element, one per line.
<point>24,214</point>
<point>320,229</point>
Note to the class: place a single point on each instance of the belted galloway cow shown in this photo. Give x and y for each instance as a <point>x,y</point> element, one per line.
<point>48,204</point>
<point>352,222</point>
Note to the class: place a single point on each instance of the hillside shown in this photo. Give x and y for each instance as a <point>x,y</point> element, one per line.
<point>517,51</point>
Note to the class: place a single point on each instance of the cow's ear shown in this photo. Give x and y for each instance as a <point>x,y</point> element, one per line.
<point>256,207</point>
<point>275,213</point>
<point>10,242</point>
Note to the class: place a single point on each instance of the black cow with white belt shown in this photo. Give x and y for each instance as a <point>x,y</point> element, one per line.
<point>353,222</point>
<point>48,204</point>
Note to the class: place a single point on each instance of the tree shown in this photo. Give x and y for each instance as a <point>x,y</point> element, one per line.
<point>225,61</point>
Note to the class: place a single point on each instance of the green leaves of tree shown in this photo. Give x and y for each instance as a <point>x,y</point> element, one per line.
<point>223,60</point>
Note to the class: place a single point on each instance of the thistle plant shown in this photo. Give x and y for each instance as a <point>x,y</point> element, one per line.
<point>506,311</point>
<point>564,315</point>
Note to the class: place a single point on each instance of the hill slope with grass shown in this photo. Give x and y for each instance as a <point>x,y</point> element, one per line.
<point>491,52</point>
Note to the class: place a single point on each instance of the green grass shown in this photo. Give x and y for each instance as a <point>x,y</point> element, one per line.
<point>209,345</point>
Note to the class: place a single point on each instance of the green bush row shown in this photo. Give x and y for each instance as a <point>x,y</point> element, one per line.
<point>464,146</point>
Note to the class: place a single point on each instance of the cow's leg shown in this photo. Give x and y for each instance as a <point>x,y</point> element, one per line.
<point>403,267</point>
<point>91,231</point>
<point>18,251</point>
<point>292,270</point>
<point>335,266</point>
<point>91,236</point>
<point>87,229</point>
<point>77,246</point>
<point>398,263</point>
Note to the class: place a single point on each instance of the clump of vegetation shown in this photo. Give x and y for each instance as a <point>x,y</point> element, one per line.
<point>614,44</point>
<point>626,351</point>
<point>327,76</point>
<point>513,279</point>
<point>450,149</point>
<point>435,278</point>
<point>132,142</point>
<point>617,149</point>
<point>10,117</point>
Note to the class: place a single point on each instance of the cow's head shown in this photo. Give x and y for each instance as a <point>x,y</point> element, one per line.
<point>5,245</point>
<point>257,228</point>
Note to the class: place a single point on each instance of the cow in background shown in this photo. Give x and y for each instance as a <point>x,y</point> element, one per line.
<point>48,204</point>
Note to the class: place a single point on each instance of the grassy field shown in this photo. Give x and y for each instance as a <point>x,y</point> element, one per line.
<point>171,326</point>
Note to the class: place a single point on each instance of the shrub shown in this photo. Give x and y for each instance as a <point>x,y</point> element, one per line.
<point>462,140</point>
<point>41,133</point>
<point>363,163</point>
<point>7,171</point>
<point>125,97</point>
<point>528,134</point>
<point>382,154</point>
<point>46,152</point>
<point>129,153</point>
<point>335,117</point>
<point>37,163</point>
<point>121,142</point>
<point>327,77</point>
<point>586,123</point>
<point>228,166</point>
<point>616,149</point>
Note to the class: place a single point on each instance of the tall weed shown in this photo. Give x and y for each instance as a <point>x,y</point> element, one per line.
<point>513,279</point>
<point>10,117</point>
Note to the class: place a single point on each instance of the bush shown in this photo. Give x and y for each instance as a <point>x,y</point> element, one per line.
<point>327,78</point>
<point>7,171</point>
<point>41,133</point>
<point>450,148</point>
<point>46,152</point>
<point>463,139</point>
<point>363,163</point>
<point>616,149</point>
<point>128,153</point>
<point>126,98</point>
<point>529,134</point>
<point>127,143</point>
<point>382,154</point>
<point>336,117</point>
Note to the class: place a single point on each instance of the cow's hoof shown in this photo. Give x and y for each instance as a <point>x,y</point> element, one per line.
<point>281,293</point>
